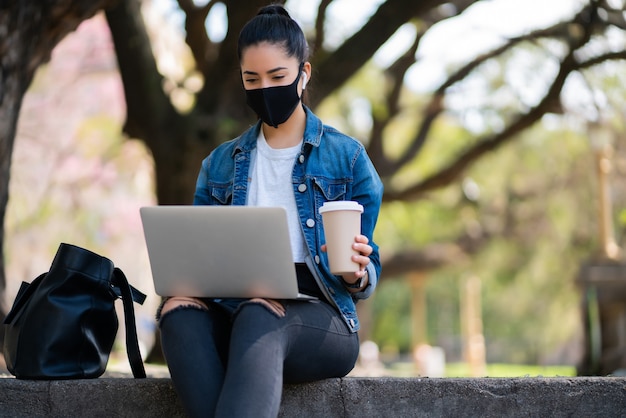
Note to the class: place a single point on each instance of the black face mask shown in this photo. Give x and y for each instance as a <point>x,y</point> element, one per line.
<point>274,105</point>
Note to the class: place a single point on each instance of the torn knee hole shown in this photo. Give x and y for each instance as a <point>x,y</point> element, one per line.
<point>256,301</point>
<point>181,302</point>
<point>274,306</point>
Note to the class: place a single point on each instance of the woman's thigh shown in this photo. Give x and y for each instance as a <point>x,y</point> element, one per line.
<point>320,345</point>
<point>312,339</point>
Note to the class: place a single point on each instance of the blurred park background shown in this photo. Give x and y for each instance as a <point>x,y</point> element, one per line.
<point>497,127</point>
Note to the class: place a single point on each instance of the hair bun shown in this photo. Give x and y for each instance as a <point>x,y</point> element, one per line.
<point>274,9</point>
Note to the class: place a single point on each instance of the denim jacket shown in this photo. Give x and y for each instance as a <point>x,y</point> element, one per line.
<point>331,166</point>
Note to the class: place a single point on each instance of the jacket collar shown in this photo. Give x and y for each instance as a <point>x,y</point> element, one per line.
<point>246,142</point>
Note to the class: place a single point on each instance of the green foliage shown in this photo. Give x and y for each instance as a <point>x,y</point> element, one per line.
<point>512,370</point>
<point>393,324</point>
<point>537,202</point>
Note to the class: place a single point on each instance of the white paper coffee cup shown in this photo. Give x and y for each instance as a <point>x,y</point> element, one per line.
<point>342,222</point>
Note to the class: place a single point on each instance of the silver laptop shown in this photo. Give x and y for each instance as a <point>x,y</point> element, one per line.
<point>220,251</point>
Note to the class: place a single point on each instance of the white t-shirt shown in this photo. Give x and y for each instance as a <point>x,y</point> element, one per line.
<point>271,185</point>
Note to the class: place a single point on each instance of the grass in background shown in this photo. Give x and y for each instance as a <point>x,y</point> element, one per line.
<point>408,369</point>
<point>512,370</point>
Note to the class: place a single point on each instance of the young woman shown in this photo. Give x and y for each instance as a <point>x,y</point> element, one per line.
<point>231,357</point>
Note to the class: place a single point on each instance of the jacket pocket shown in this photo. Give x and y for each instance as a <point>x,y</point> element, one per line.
<point>331,189</point>
<point>221,193</point>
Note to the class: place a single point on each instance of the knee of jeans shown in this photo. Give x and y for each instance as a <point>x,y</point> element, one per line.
<point>175,303</point>
<point>274,307</point>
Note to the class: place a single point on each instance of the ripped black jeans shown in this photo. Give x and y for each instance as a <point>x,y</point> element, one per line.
<point>232,360</point>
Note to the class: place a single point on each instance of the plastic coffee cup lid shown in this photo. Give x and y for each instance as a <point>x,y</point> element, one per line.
<point>341,205</point>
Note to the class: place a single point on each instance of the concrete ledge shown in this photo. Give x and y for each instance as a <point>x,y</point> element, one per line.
<point>347,397</point>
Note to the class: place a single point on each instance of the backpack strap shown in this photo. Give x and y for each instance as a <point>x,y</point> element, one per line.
<point>128,295</point>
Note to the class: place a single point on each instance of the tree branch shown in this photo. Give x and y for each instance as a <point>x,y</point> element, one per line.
<point>320,33</point>
<point>221,77</point>
<point>336,68</point>
<point>396,73</point>
<point>550,101</point>
<point>203,50</point>
<point>437,255</point>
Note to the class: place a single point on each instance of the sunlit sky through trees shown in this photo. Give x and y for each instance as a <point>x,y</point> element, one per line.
<point>449,44</point>
<point>480,28</point>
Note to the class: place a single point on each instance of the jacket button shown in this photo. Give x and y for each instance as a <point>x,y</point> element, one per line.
<point>310,223</point>
<point>317,259</point>
<point>302,188</point>
<point>301,158</point>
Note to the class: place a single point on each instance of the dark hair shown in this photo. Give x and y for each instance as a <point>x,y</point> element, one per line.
<point>274,25</point>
